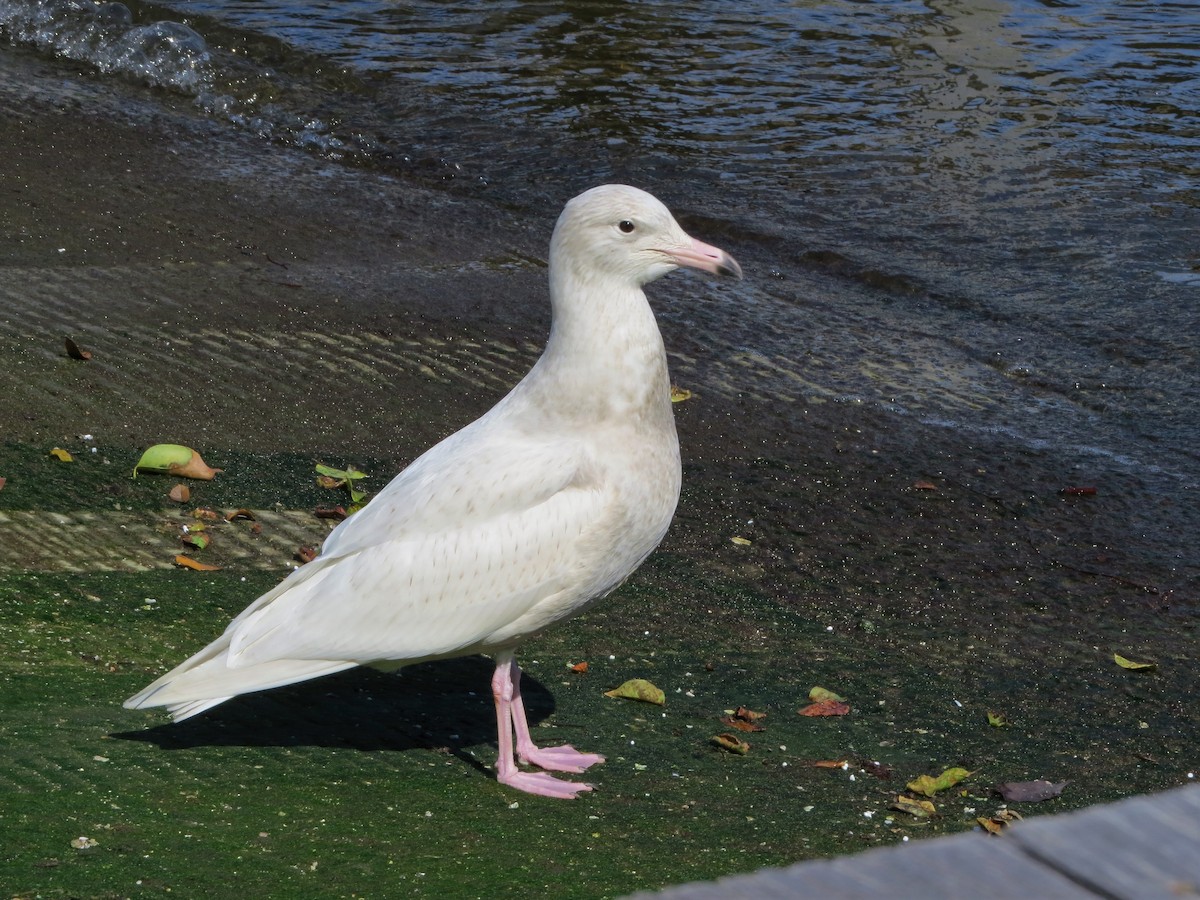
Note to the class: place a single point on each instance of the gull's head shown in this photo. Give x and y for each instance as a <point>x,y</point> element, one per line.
<point>619,232</point>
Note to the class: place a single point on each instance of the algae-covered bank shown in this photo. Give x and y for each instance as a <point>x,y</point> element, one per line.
<point>962,583</point>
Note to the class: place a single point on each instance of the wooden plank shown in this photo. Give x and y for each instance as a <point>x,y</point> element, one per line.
<point>1141,848</point>
<point>951,868</point>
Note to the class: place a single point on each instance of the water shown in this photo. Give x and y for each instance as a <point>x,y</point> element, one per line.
<point>977,213</point>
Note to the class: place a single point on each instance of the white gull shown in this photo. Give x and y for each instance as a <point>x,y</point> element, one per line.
<point>522,519</point>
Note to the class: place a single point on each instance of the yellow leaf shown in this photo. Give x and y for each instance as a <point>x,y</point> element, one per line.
<point>1131,665</point>
<point>638,689</point>
<point>928,785</point>
<point>678,394</point>
<point>741,541</point>
<point>62,455</point>
<point>817,694</point>
<point>922,809</point>
<point>732,743</point>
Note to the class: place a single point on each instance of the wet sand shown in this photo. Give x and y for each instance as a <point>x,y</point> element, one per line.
<point>245,298</point>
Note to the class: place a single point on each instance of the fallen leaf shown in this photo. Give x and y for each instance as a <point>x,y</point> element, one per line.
<point>192,539</point>
<point>329,482</point>
<point>740,724</point>
<point>330,512</point>
<point>922,809</point>
<point>175,459</point>
<point>996,720</point>
<point>678,394</point>
<point>818,694</point>
<point>347,474</point>
<point>74,352</point>
<point>741,541</point>
<point>61,455</point>
<point>731,743</point>
<point>579,667</point>
<point>1029,791</point>
<point>831,763</point>
<point>925,486</point>
<point>306,554</point>
<point>84,843</point>
<point>236,514</point>
<point>1131,665</point>
<point>744,719</point>
<point>928,785</point>
<point>3,482</point>
<point>181,493</point>
<point>1083,491</point>
<point>989,826</point>
<point>205,514</point>
<point>638,689</point>
<point>880,770</point>
<point>187,562</point>
<point>825,708</point>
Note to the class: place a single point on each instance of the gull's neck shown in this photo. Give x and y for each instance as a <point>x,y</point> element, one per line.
<point>605,354</point>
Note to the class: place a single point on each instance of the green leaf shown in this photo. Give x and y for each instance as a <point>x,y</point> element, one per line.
<point>638,689</point>
<point>928,785</point>
<point>818,694</point>
<point>1131,665</point>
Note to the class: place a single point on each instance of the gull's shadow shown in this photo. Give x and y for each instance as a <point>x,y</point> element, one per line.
<point>445,705</point>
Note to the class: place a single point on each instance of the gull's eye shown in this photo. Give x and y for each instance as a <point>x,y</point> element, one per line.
<point>626,226</point>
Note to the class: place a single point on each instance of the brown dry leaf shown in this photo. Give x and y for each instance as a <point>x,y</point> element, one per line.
<point>579,668</point>
<point>748,714</point>
<point>732,743</point>
<point>181,493</point>
<point>328,481</point>
<point>61,455</point>
<point>306,554</point>
<point>195,468</point>
<point>825,708</point>
<point>990,826</point>
<point>205,514</point>
<point>3,481</point>
<point>925,486</point>
<point>873,767</point>
<point>1029,791</point>
<point>187,562</point>
<point>330,512</point>
<point>74,352</point>
<point>239,514</point>
<point>740,724</point>
<point>831,763</point>
<point>744,719</point>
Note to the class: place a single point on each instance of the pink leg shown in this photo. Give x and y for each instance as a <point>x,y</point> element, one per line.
<point>508,701</point>
<point>558,759</point>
